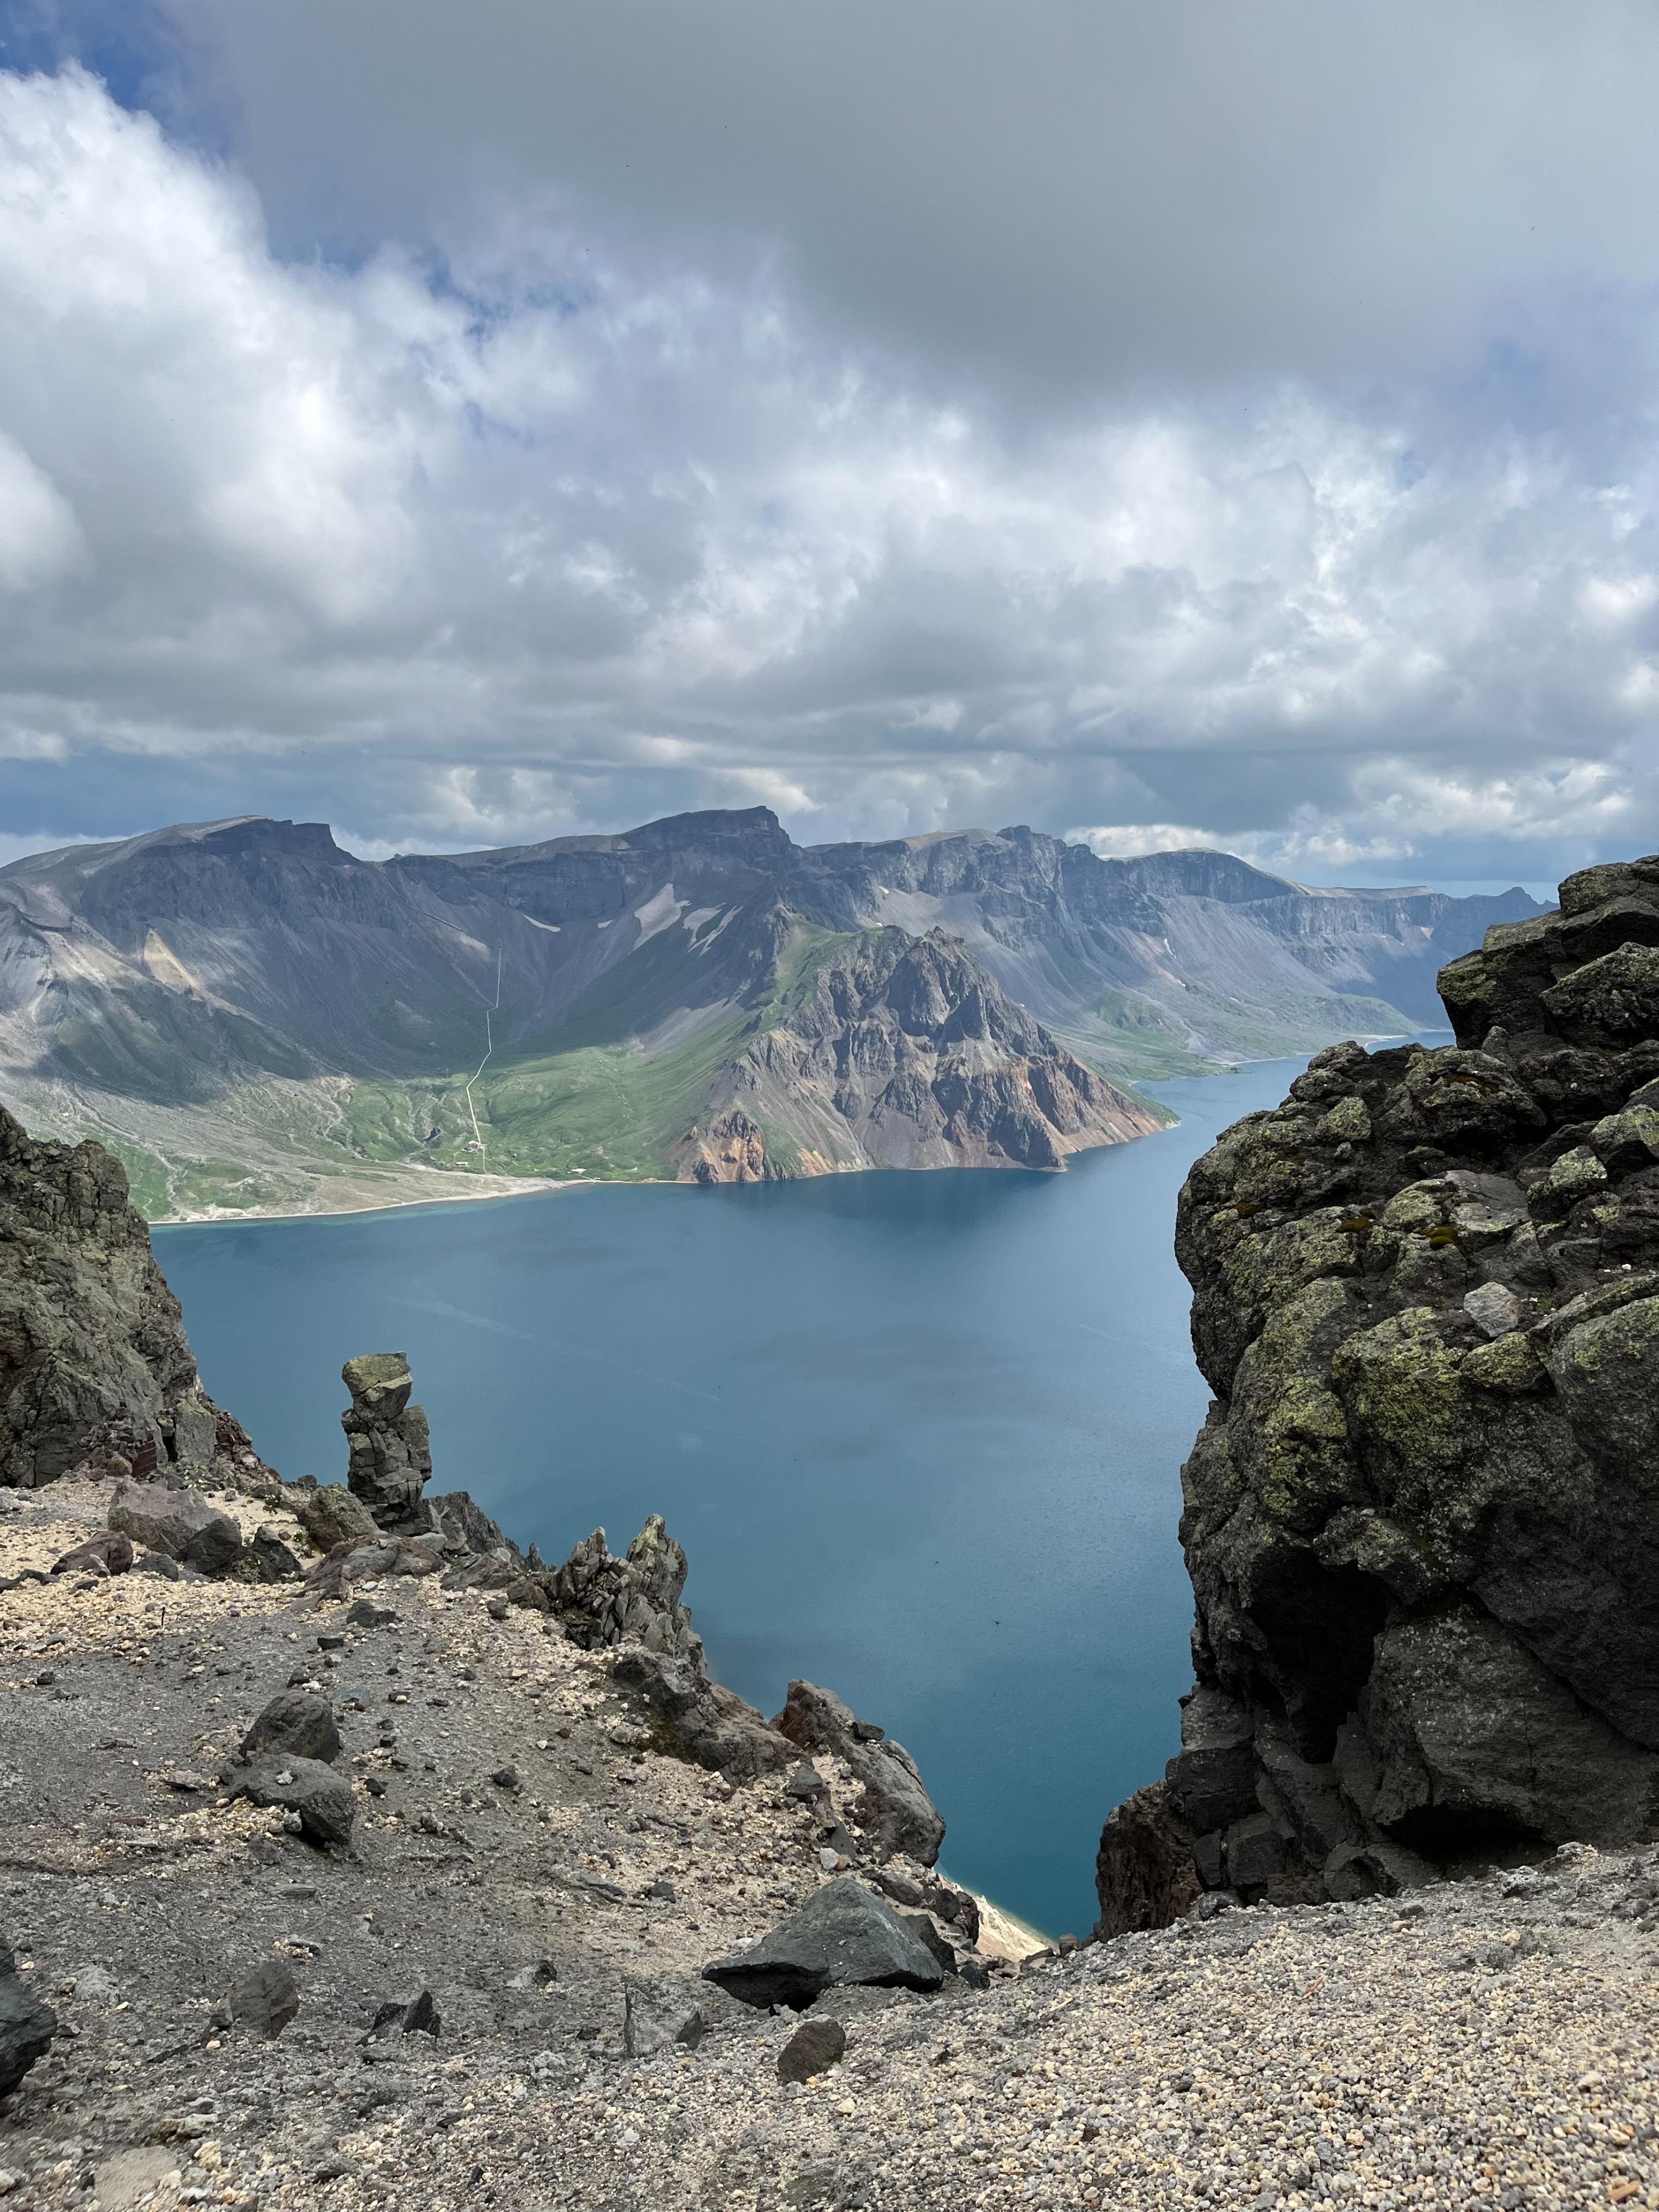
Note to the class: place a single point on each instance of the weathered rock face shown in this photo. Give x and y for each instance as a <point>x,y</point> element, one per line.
<point>390,1447</point>
<point>1420,1521</point>
<point>692,1718</point>
<point>94,1365</point>
<point>895,1809</point>
<point>895,1051</point>
<point>1144,1875</point>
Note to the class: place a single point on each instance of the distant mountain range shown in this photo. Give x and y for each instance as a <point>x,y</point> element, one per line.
<point>254,1019</point>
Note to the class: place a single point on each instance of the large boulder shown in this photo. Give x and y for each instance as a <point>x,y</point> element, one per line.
<point>843,1937</point>
<point>322,1799</point>
<point>95,1367</point>
<point>26,2025</point>
<point>1422,1520</point>
<point>329,1515</point>
<point>179,1523</point>
<point>390,1451</point>
<point>296,1724</point>
<point>894,1810</point>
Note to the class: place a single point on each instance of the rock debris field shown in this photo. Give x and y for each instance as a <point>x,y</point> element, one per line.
<point>492,1995</point>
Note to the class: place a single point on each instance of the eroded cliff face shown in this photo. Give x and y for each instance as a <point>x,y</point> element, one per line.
<point>902,1052</point>
<point>1422,1520</point>
<point>94,1366</point>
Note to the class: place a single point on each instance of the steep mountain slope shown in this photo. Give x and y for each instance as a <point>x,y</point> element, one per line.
<point>1151,963</point>
<point>251,1017</point>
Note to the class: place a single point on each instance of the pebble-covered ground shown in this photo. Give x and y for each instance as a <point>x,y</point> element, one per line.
<point>1491,2042</point>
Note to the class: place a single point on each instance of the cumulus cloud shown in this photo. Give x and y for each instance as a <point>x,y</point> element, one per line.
<point>40,536</point>
<point>558,528</point>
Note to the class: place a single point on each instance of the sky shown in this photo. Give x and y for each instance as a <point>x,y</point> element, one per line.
<point>1213,423</point>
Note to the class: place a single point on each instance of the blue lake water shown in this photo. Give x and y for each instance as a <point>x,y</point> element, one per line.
<point>920,1434</point>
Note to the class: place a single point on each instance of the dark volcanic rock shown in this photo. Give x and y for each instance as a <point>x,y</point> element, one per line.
<point>895,1809</point>
<point>1420,1521</point>
<point>329,1515</point>
<point>843,1937</point>
<point>389,1449</point>
<point>266,1999</point>
<point>419,2015</point>
<point>268,1558</point>
<point>94,1366</point>
<point>179,1523</point>
<point>1144,1875</point>
<point>814,2048</point>
<point>694,1718</point>
<point>26,2025</point>
<point>111,1554</point>
<point>296,1724</point>
<point>322,1799</point>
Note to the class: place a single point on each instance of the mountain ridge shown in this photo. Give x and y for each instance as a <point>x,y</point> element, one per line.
<point>256,1018</point>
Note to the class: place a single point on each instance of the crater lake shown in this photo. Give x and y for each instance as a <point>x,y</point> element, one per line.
<point>920,1434</point>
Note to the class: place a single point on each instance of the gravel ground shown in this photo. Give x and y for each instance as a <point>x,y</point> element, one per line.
<point>1490,2042</point>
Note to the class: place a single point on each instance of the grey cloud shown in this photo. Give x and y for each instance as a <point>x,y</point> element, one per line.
<point>568,533</point>
<point>1068,192</point>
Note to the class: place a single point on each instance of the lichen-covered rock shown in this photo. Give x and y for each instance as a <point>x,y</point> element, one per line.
<point>95,1367</point>
<point>329,1515</point>
<point>390,1449</point>
<point>1420,1521</point>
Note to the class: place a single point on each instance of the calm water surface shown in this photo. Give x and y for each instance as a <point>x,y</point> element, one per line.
<point>920,1435</point>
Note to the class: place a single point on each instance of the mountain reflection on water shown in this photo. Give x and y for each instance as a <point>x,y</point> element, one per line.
<point>920,1434</point>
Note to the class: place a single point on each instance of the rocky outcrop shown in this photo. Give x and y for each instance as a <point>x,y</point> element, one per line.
<point>894,1809</point>
<point>95,1370</point>
<point>389,1445</point>
<point>601,1600</point>
<point>692,1718</point>
<point>1420,1519</point>
<point>1144,1875</point>
<point>894,1051</point>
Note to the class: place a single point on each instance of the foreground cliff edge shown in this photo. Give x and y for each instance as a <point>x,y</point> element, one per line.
<point>355,1858</point>
<point>1420,1521</point>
